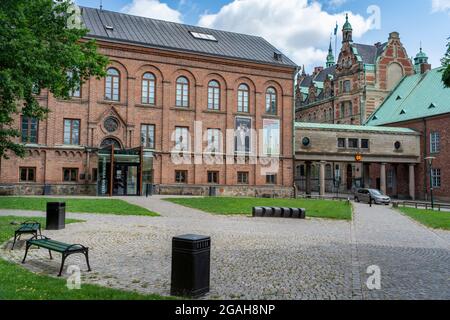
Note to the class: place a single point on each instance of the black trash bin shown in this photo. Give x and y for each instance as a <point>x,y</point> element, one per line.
<point>148,189</point>
<point>56,215</point>
<point>191,258</point>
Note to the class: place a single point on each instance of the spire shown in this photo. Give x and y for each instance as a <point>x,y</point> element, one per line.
<point>330,57</point>
<point>347,25</point>
<point>304,71</point>
<point>347,31</point>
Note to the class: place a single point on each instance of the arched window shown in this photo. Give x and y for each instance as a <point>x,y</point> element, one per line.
<point>112,85</point>
<point>325,115</point>
<point>182,92</point>
<point>243,98</point>
<point>271,101</point>
<point>109,142</point>
<point>213,95</point>
<point>148,88</point>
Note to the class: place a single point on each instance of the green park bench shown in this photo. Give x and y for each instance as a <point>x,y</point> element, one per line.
<point>28,227</point>
<point>63,248</point>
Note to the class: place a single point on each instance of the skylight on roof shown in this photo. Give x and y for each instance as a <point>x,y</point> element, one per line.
<point>203,36</point>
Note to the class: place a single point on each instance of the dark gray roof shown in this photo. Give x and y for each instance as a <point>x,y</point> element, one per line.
<point>322,76</point>
<point>307,81</point>
<point>369,53</point>
<point>177,37</point>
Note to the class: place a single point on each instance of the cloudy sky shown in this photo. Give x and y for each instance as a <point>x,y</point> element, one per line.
<point>302,28</point>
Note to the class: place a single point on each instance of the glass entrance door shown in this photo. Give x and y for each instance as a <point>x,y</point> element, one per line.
<point>132,180</point>
<point>125,179</point>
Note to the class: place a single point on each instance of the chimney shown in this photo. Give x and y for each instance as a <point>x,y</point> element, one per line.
<point>317,70</point>
<point>425,67</point>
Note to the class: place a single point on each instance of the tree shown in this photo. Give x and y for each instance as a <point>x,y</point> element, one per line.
<point>446,64</point>
<point>40,45</point>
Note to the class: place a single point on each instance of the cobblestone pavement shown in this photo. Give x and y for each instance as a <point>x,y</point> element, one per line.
<point>259,258</point>
<point>414,260</point>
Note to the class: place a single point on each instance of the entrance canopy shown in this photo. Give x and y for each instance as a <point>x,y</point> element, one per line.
<point>123,172</point>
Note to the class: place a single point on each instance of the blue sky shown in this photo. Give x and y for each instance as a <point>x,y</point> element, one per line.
<point>302,28</point>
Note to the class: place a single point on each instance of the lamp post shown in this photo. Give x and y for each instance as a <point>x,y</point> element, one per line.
<point>430,163</point>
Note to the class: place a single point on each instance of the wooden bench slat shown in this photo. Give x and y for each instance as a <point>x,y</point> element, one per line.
<point>29,227</point>
<point>54,245</point>
<point>50,245</point>
<point>58,249</point>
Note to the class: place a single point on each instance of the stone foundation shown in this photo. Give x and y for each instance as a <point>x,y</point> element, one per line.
<point>54,189</point>
<point>226,191</point>
<point>185,190</point>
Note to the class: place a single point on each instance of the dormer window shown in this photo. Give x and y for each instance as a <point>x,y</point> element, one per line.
<point>398,98</point>
<point>432,106</point>
<point>403,111</point>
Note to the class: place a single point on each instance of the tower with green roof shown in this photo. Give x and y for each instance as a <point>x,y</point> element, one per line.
<point>330,57</point>
<point>347,31</point>
<point>420,59</point>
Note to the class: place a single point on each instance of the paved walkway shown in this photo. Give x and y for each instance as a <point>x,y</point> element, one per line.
<point>414,260</point>
<point>260,258</point>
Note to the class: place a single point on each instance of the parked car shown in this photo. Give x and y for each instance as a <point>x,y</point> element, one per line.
<point>366,195</point>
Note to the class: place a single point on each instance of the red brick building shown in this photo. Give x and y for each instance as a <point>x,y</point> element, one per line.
<point>421,102</point>
<point>349,91</point>
<point>165,82</point>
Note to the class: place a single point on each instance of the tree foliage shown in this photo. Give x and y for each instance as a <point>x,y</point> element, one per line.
<point>446,64</point>
<point>40,43</point>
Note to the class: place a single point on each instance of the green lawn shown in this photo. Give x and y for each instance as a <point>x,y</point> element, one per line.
<point>432,219</point>
<point>243,206</point>
<point>17,283</point>
<point>105,206</point>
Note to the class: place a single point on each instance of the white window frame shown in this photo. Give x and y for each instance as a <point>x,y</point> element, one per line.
<point>435,142</point>
<point>436,178</point>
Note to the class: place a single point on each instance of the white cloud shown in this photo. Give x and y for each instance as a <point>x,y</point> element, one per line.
<point>299,29</point>
<point>440,5</point>
<point>153,9</point>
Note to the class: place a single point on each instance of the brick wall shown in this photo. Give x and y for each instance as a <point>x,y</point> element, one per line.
<point>439,124</point>
<point>50,156</point>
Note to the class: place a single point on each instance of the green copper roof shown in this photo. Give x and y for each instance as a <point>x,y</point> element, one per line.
<point>417,96</point>
<point>330,57</point>
<point>347,25</point>
<point>421,54</point>
<point>348,127</point>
